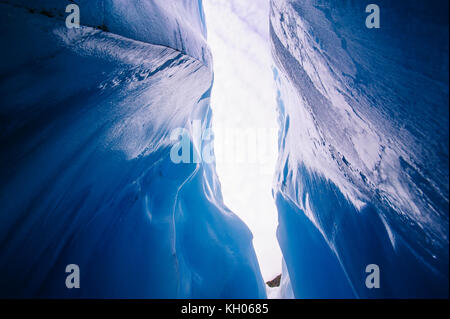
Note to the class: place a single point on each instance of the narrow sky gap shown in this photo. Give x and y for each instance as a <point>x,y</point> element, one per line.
<point>244,103</point>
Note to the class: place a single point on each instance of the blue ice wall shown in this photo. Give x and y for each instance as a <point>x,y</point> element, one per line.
<point>363,169</point>
<point>176,24</point>
<point>86,177</point>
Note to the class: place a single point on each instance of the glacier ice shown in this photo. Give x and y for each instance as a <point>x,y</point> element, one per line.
<point>86,175</point>
<point>86,116</point>
<point>362,176</point>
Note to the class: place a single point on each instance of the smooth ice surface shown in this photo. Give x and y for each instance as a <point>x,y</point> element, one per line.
<point>176,24</point>
<point>363,166</point>
<point>244,104</point>
<point>86,117</point>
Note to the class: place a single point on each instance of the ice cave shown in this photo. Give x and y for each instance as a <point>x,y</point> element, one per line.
<point>351,176</point>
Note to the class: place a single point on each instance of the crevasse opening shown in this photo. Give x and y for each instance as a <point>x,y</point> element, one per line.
<point>245,125</point>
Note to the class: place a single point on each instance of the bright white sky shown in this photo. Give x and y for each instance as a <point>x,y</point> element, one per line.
<point>243,98</point>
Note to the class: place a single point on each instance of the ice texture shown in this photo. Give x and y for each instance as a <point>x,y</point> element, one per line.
<point>86,177</point>
<point>362,176</point>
